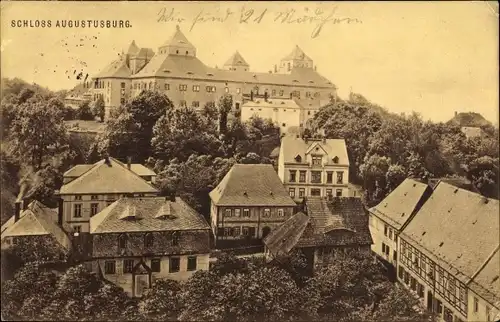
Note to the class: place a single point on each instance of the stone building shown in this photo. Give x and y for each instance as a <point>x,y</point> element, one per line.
<point>324,229</point>
<point>248,203</point>
<point>314,167</point>
<point>87,189</point>
<point>176,71</point>
<point>137,240</point>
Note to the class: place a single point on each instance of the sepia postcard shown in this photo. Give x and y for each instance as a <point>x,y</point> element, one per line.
<point>250,161</point>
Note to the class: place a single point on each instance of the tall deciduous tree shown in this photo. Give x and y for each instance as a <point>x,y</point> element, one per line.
<point>98,109</point>
<point>162,301</point>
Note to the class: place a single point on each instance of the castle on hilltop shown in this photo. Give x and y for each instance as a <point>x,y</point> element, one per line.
<point>175,70</point>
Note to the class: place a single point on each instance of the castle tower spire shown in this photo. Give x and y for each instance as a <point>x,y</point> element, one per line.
<point>178,44</point>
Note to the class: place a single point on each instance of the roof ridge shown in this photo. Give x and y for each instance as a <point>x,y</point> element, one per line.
<point>80,178</point>
<point>484,264</point>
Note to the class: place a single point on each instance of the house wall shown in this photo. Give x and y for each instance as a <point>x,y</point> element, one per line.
<point>282,116</point>
<point>480,312</point>
<point>383,234</point>
<point>70,221</point>
<point>125,280</point>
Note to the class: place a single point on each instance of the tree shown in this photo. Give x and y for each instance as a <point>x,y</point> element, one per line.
<point>108,303</point>
<point>38,131</point>
<point>225,105</point>
<point>373,171</point>
<point>484,174</point>
<point>395,175</point>
<point>198,297</point>
<point>130,127</point>
<point>98,109</point>
<point>84,112</point>
<point>162,301</point>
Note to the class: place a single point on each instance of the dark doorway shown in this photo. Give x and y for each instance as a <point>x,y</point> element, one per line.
<point>265,231</point>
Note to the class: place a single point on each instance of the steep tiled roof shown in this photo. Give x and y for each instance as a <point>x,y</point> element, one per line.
<point>283,238</point>
<point>487,281</point>
<point>252,185</point>
<point>236,60</point>
<point>133,49</point>
<point>141,170</point>
<point>189,67</point>
<point>37,220</point>
<point>175,215</point>
<point>457,228</point>
<point>105,178</point>
<point>117,68</point>
<point>78,170</point>
<point>292,146</point>
<point>178,40</point>
<point>400,204</point>
<point>297,54</point>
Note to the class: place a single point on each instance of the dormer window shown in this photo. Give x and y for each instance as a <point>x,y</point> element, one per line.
<point>316,160</point>
<point>122,241</point>
<point>335,159</point>
<point>298,158</point>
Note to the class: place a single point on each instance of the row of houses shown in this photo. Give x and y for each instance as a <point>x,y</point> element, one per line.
<point>444,244</point>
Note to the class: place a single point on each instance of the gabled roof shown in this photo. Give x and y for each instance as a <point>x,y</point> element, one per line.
<point>284,237</point>
<point>111,177</point>
<point>178,40</point>
<point>37,220</point>
<point>189,67</point>
<point>297,54</point>
<point>251,185</point>
<point>487,281</point>
<point>236,60</point>
<point>133,49</point>
<point>117,68</point>
<point>401,203</point>
<point>181,216</point>
<point>457,228</point>
<point>80,169</point>
<point>292,146</point>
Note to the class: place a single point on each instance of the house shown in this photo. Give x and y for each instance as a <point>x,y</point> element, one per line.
<point>176,71</point>
<point>87,189</point>
<point>138,240</point>
<point>390,216</point>
<point>313,167</point>
<point>326,228</point>
<point>248,203</point>
<point>35,224</point>
<point>448,254</point>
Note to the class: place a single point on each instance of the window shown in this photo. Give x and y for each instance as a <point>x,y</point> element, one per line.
<point>246,212</point>
<point>245,231</point>
<point>94,197</point>
<point>122,101</point>
<point>315,192</point>
<point>340,177</point>
<point>308,94</point>
<point>196,104</point>
<point>267,212</point>
<point>281,212</point>
<point>156,265</point>
<point>128,266</point>
<point>338,192</point>
<point>210,89</point>
<point>175,264</point>
<point>175,238</point>
<point>488,310</point>
<point>191,264</point>
<point>302,176</point>
<point>228,212</point>
<point>237,212</point>
<point>390,233</point>
<point>77,229</point>
<point>237,106</point>
<point>316,160</point>
<point>283,124</point>
<point>420,290</point>
<point>383,248</point>
<point>109,267</point>
<point>385,230</point>
<point>293,174</point>
<point>394,256</point>
<point>182,103</point>
<point>329,192</point>
<point>291,192</point>
<point>196,88</point>
<point>226,89</point>
<point>236,231</point>
<point>273,92</point>
<point>476,305</point>
<point>122,242</point>
<point>302,192</point>
<point>94,207</point>
<point>329,177</point>
<point>315,176</point>
<point>407,277</point>
<point>148,240</point>
<point>400,272</point>
<point>77,210</point>
<point>238,90</point>
<point>413,284</point>
<point>122,85</point>
<point>281,92</point>
<point>167,87</point>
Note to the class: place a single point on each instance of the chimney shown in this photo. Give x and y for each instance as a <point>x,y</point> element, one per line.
<point>60,212</point>
<point>26,202</point>
<point>265,96</point>
<point>129,163</point>
<point>17,211</point>
<point>251,95</point>
<point>275,68</point>
<point>106,161</point>
<point>172,197</point>
<point>456,113</point>
<point>324,139</point>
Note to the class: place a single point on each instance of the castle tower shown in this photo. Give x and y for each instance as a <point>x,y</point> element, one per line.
<point>296,59</point>
<point>178,45</point>
<point>137,57</point>
<point>237,63</point>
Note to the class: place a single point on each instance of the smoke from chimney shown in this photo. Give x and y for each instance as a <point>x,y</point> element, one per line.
<point>17,211</point>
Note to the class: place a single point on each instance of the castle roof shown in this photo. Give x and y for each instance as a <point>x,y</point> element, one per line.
<point>178,40</point>
<point>117,68</point>
<point>297,54</point>
<point>236,60</point>
<point>133,49</point>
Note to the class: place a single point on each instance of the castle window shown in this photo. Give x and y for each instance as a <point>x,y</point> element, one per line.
<point>182,87</point>
<point>122,85</point>
<point>167,87</point>
<point>196,88</point>
<point>182,103</point>
<point>122,241</point>
<point>187,52</point>
<point>282,92</point>
<point>273,92</point>
<point>176,51</point>
<point>128,266</point>
<point>238,90</point>
<point>148,240</point>
<point>226,89</point>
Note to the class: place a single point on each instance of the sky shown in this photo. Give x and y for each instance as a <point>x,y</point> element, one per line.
<point>434,58</point>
